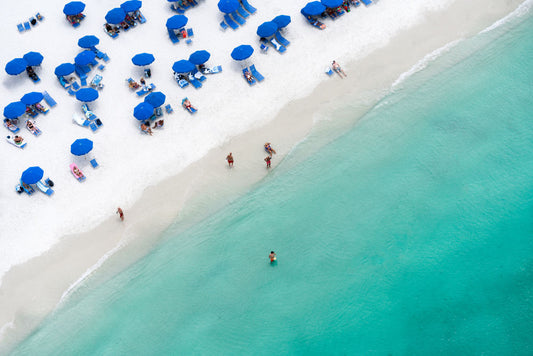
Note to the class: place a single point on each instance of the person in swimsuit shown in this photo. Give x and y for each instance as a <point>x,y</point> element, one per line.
<point>269,149</point>
<point>272,256</point>
<point>120,214</point>
<point>337,68</point>
<point>229,158</point>
<point>267,160</point>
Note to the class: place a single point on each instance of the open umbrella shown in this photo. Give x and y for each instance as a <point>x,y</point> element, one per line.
<point>131,5</point>
<point>143,111</point>
<point>73,8</point>
<point>267,29</point>
<point>176,22</point>
<point>16,66</point>
<point>32,175</point>
<point>242,52</point>
<point>199,57</point>
<point>115,16</point>
<point>282,20</point>
<point>64,69</point>
<point>33,58</point>
<point>88,41</point>
<point>87,94</point>
<point>32,98</point>
<point>183,66</point>
<point>14,110</point>
<point>228,6</point>
<point>332,3</point>
<point>81,146</point>
<point>313,8</point>
<point>84,58</point>
<point>143,59</point>
<point>156,99</point>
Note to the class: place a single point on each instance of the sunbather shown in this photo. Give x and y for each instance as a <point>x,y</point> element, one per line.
<point>269,149</point>
<point>337,68</point>
<point>30,126</point>
<point>40,107</point>
<point>77,172</point>
<point>145,127</point>
<point>31,73</point>
<point>158,123</point>
<point>18,140</point>
<point>187,105</point>
<point>249,77</point>
<point>11,124</point>
<point>133,84</point>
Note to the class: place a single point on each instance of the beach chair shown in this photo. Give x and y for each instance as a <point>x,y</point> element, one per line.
<point>367,2</point>
<point>20,27</point>
<point>39,16</point>
<point>95,124</point>
<point>240,10</point>
<point>83,79</point>
<point>41,108</point>
<point>256,74</point>
<point>182,82</point>
<point>195,82</point>
<point>132,83</point>
<point>146,89</point>
<point>27,188</point>
<point>11,140</point>
<point>64,83</point>
<point>158,112</point>
<point>71,91</point>
<point>249,78</point>
<point>198,75</point>
<point>76,118</point>
<point>172,35</point>
<point>169,109</point>
<point>27,25</point>
<point>94,163</point>
<point>30,125</point>
<point>212,70</point>
<point>140,17</point>
<point>101,67</point>
<point>30,111</point>
<point>75,85</point>
<point>329,71</point>
<point>238,18</point>
<point>175,7</point>
<point>263,47</point>
<point>88,113</point>
<point>230,22</point>
<point>44,188</point>
<point>223,25</point>
<point>96,82</point>
<point>191,109</point>
<point>101,55</point>
<point>248,7</point>
<point>10,125</point>
<point>78,174</point>
<point>280,48</point>
<point>282,40</point>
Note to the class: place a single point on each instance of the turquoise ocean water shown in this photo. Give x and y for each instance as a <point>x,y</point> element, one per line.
<point>410,234</point>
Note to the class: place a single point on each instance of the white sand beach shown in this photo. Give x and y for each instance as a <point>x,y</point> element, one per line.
<point>51,244</point>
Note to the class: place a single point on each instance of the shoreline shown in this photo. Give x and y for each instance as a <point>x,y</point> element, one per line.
<point>208,179</point>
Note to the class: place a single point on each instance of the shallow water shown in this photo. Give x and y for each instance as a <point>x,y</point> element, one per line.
<point>410,234</point>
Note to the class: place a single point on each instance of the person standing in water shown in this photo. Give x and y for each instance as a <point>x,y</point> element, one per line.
<point>120,214</point>
<point>229,158</point>
<point>272,256</point>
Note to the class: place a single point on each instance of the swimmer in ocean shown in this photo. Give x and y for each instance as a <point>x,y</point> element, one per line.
<point>272,256</point>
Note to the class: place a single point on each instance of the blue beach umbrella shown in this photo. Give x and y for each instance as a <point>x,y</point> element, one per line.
<point>282,20</point>
<point>267,29</point>
<point>132,5</point>
<point>81,146</point>
<point>88,41</point>
<point>84,58</point>
<point>115,16</point>
<point>64,69</point>
<point>14,110</point>
<point>16,66</point>
<point>32,98</point>
<point>183,66</point>
<point>199,57</point>
<point>242,52</point>
<point>33,58</point>
<point>32,175</point>
<point>143,59</point>
<point>313,8</point>
<point>176,22</point>
<point>87,94</point>
<point>332,3</point>
<point>143,111</point>
<point>156,99</point>
<point>228,6</point>
<point>73,8</point>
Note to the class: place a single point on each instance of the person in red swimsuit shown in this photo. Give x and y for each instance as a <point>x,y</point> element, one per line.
<point>229,158</point>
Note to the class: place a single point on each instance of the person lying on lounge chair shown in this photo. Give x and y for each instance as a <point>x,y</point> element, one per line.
<point>30,126</point>
<point>77,172</point>
<point>187,105</point>
<point>249,77</point>
<point>146,128</point>
<point>158,123</point>
<point>18,140</point>
<point>11,124</point>
<point>337,68</point>
<point>269,149</point>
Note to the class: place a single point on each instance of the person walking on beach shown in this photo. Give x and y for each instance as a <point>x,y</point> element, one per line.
<point>229,158</point>
<point>267,160</point>
<point>120,214</point>
<point>337,68</point>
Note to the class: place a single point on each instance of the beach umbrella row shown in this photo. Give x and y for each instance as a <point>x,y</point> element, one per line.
<point>115,16</point>
<point>73,8</point>
<point>64,69</point>
<point>242,52</point>
<point>142,59</point>
<point>14,110</point>
<point>176,22</point>
<point>88,41</point>
<point>32,98</point>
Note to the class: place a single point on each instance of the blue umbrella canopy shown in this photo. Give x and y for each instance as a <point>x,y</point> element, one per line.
<point>143,59</point>
<point>156,99</point>
<point>73,8</point>
<point>32,175</point>
<point>16,66</point>
<point>84,58</point>
<point>242,52</point>
<point>199,57</point>
<point>115,16</point>
<point>14,110</point>
<point>332,3</point>
<point>282,20</point>
<point>267,29</point>
<point>131,5</point>
<point>176,22</point>
<point>183,66</point>
<point>32,98</point>
<point>143,111</point>
<point>33,58</point>
<point>64,69</point>
<point>88,41</point>
<point>313,8</point>
<point>87,94</point>
<point>81,146</point>
<point>228,6</point>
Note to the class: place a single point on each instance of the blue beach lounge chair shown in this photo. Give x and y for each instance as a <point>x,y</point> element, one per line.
<point>222,25</point>
<point>44,188</point>
<point>169,109</point>
<point>76,118</point>
<point>277,45</point>
<point>195,82</point>
<point>96,82</point>
<point>95,124</point>
<point>285,42</point>
<point>248,76</point>
<point>248,7</point>
<point>94,163</point>
<point>27,188</point>
<point>27,25</point>
<point>238,18</point>
<point>230,22</point>
<point>172,35</point>
<point>256,74</point>
<point>242,12</point>
<point>20,27</point>
<point>146,89</point>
